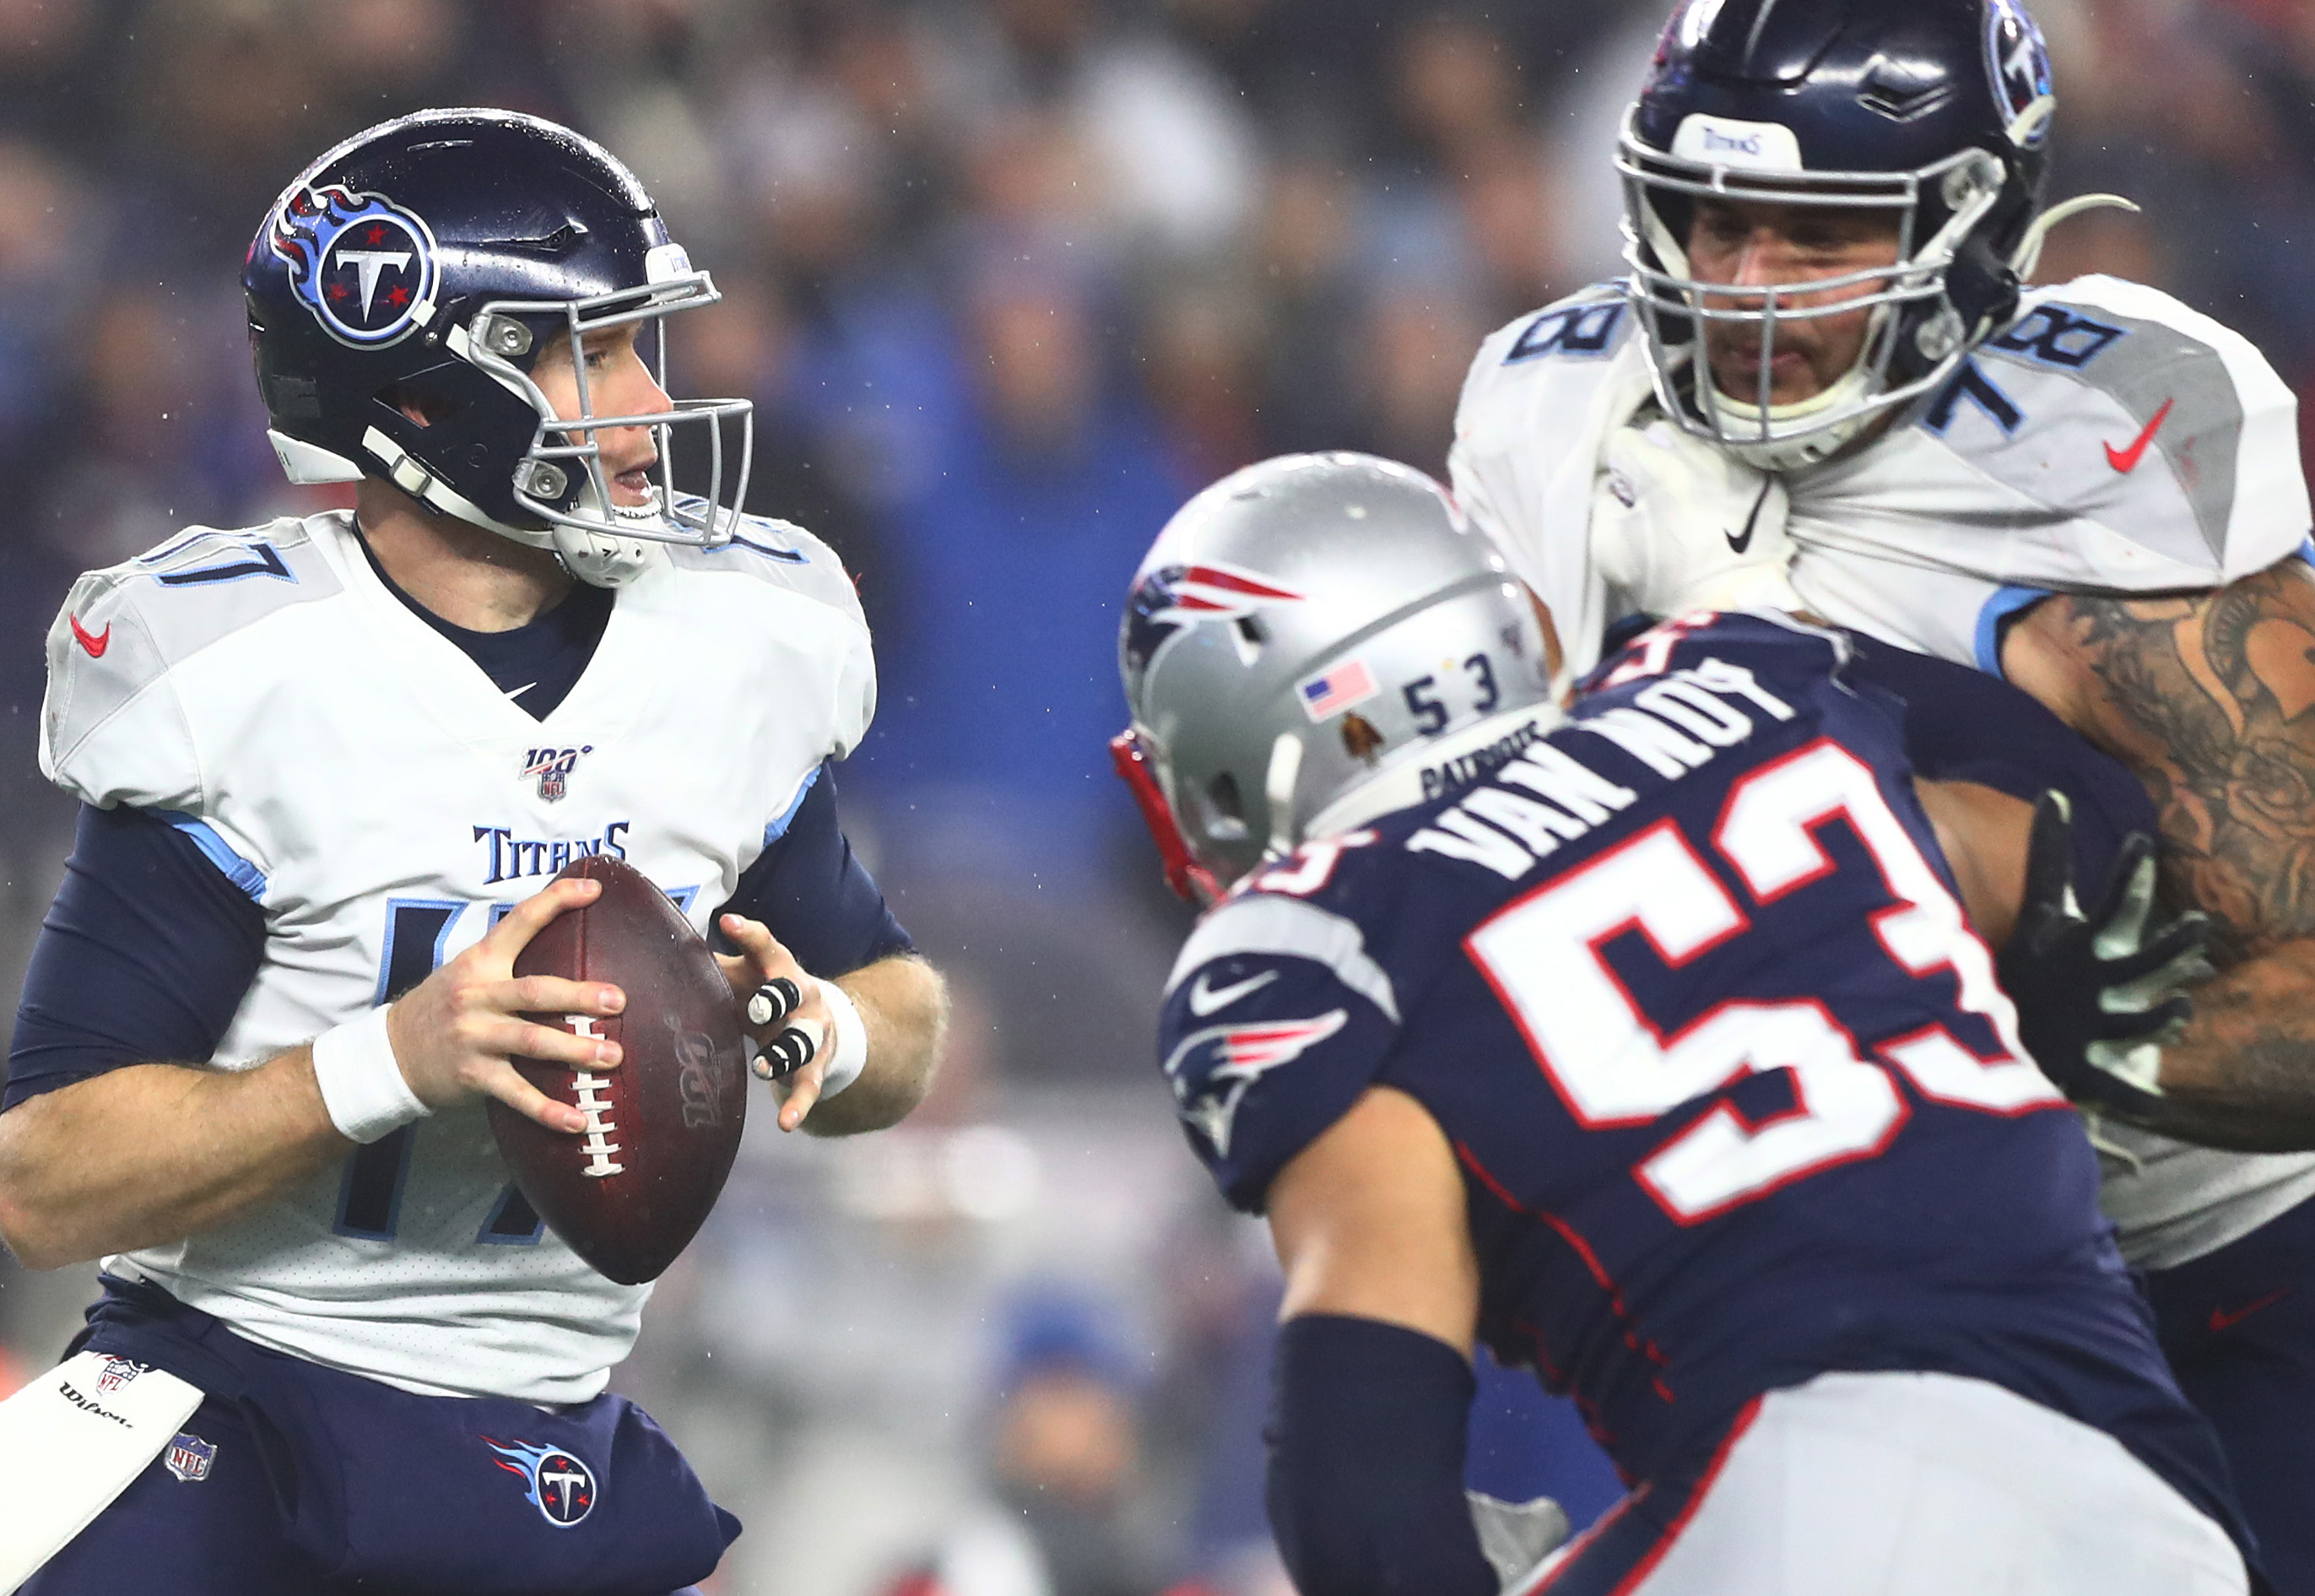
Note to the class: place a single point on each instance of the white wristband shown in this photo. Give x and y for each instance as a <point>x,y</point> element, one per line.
<point>361,1085</point>
<point>847,1040</point>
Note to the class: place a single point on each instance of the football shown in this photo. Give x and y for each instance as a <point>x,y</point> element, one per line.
<point>629,1192</point>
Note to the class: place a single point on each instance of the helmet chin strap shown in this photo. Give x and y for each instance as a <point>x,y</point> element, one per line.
<point>598,560</point>
<point>603,561</point>
<point>1278,790</point>
<point>2029,250</point>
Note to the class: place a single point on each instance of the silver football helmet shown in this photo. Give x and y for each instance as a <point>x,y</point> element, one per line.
<point>1314,641</point>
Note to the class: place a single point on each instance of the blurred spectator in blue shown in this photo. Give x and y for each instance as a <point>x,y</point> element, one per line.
<point>1013,537</point>
<point>1067,1508</point>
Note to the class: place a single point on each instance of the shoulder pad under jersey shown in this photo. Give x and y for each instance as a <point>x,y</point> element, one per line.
<point>1538,403</point>
<point>783,559</point>
<point>111,728</point>
<point>1277,1016</point>
<point>781,554</point>
<point>2119,405</point>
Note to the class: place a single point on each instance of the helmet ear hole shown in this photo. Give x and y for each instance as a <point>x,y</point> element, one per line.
<point>1226,802</point>
<point>423,406</point>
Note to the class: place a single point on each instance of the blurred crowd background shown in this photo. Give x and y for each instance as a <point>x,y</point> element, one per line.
<point>1008,280</point>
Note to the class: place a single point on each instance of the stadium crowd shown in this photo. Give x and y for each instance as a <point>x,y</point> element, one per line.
<point>1008,280</point>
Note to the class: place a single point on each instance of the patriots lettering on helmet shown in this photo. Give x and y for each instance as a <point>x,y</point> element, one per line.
<point>1211,1069</point>
<point>362,264</point>
<point>1167,601</point>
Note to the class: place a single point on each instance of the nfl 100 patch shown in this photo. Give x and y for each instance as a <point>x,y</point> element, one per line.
<point>189,1458</point>
<point>553,768</point>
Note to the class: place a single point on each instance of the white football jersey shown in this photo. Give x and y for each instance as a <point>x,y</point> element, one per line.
<point>385,804</point>
<point>2110,441</point>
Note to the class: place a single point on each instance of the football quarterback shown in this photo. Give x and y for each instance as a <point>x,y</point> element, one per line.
<point>1823,386</point>
<point>1640,1043</point>
<point>329,768</point>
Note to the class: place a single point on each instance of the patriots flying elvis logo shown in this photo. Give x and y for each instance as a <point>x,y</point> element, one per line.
<point>365,267</point>
<point>558,1484</point>
<point>1212,1069</point>
<point>1168,599</point>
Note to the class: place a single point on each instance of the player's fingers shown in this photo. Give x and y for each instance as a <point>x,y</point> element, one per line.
<point>529,918</point>
<point>763,951</point>
<point>552,1044</point>
<point>506,1083</point>
<point>782,1055</point>
<point>2129,900</point>
<point>803,1094</point>
<point>2184,942</point>
<point>2050,854</point>
<point>773,1002</point>
<point>552,994</point>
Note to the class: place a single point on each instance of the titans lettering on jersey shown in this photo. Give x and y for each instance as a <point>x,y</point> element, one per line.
<point>507,855</point>
<point>1686,986</point>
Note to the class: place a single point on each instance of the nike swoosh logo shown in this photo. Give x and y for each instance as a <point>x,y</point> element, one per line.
<point>2126,460</point>
<point>1204,1000</point>
<point>2221,1319</point>
<point>95,645</point>
<point>519,692</point>
<point>1737,545</point>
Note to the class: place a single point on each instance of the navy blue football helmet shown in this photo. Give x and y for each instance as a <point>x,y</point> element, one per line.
<point>426,264</point>
<point>1936,110</point>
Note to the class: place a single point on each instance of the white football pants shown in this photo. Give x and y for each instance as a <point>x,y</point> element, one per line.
<point>1914,1484</point>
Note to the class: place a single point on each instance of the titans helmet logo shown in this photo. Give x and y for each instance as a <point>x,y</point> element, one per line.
<point>365,267</point>
<point>2020,60</point>
<point>1165,601</point>
<point>1212,1069</point>
<point>560,1487</point>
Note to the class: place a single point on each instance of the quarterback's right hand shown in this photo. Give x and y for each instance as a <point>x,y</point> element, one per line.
<point>454,1032</point>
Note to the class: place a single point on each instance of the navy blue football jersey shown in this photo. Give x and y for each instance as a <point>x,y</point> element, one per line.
<point>1737,1101</point>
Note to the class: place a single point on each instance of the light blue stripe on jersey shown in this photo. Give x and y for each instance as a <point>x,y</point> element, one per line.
<point>2005,603</point>
<point>779,828</point>
<point>237,870</point>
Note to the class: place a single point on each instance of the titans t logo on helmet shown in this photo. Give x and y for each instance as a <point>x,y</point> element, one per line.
<point>363,265</point>
<point>2020,60</point>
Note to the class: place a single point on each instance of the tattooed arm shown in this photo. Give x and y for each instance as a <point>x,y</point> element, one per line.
<point>2210,698</point>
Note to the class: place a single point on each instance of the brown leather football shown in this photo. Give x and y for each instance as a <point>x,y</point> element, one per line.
<point>628,1193</point>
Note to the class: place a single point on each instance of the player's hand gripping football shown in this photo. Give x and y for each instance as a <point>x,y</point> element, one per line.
<point>2100,995</point>
<point>454,1032</point>
<point>782,1010</point>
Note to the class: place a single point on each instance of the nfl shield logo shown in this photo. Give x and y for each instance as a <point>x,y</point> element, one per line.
<point>189,1458</point>
<point>117,1372</point>
<point>553,768</point>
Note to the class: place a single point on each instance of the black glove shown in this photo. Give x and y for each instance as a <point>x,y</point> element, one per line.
<point>2099,996</point>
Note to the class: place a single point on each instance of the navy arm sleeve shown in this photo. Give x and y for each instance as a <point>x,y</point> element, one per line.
<point>811,891</point>
<point>145,955</point>
<point>1366,1437</point>
<point>1964,725</point>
